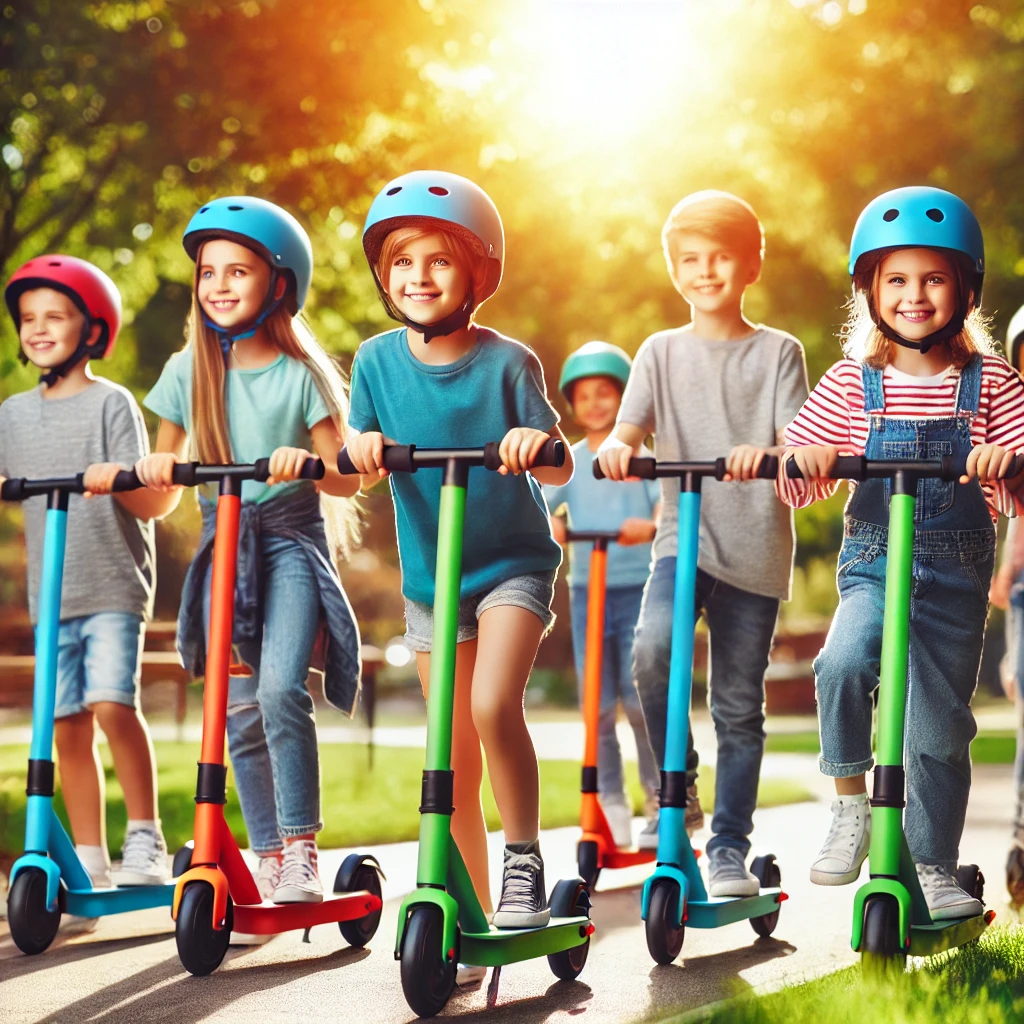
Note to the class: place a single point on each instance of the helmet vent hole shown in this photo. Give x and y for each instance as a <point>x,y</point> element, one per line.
<point>394,191</point>
<point>935,215</point>
<point>236,208</point>
<point>204,209</point>
<point>890,215</point>
<point>54,263</point>
<point>437,190</point>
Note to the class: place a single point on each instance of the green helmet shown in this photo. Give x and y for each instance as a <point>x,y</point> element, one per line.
<point>594,359</point>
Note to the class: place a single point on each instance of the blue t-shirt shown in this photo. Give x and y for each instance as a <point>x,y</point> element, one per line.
<point>267,408</point>
<point>603,505</point>
<point>497,385</point>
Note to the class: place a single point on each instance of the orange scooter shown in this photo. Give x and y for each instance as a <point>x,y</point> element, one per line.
<point>597,848</point>
<point>216,891</point>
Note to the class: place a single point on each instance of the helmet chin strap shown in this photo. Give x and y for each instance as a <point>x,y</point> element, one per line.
<point>227,338</point>
<point>454,321</point>
<point>84,350</point>
<point>939,337</point>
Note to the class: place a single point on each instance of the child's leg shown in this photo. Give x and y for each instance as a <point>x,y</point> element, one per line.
<point>134,761</point>
<point>468,828</point>
<point>81,778</point>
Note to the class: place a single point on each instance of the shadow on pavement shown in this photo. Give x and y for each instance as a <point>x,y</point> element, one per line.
<point>570,997</point>
<point>65,953</point>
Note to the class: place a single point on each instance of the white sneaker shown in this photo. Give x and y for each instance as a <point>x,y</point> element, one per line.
<point>143,859</point>
<point>620,820</point>
<point>946,900</point>
<point>299,882</point>
<point>849,837</point>
<point>469,975</point>
<point>268,875</point>
<point>648,838</point>
<point>728,874</point>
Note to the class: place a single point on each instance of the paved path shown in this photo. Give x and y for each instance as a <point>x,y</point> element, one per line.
<point>128,969</point>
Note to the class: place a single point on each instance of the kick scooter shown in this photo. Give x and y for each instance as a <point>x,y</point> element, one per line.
<point>49,879</point>
<point>442,923</point>
<point>890,916</point>
<point>674,895</point>
<point>216,891</point>
<point>597,848</point>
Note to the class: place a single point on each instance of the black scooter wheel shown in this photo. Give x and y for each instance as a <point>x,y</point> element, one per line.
<point>664,937</point>
<point>770,877</point>
<point>201,947</point>
<point>182,860</point>
<point>33,926</point>
<point>355,875</point>
<point>586,859</point>
<point>881,948</point>
<point>570,898</point>
<point>428,978</point>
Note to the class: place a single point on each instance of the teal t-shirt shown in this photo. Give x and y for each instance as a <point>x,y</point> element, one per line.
<point>267,408</point>
<point>497,385</point>
<point>603,505</point>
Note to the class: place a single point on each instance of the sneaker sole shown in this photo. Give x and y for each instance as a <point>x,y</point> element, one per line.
<point>956,913</point>
<point>647,844</point>
<point>248,939</point>
<point>831,878</point>
<point>508,919</point>
<point>737,889</point>
<point>292,895</point>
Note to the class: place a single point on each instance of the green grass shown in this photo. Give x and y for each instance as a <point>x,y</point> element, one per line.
<point>996,747</point>
<point>359,805</point>
<point>979,984</point>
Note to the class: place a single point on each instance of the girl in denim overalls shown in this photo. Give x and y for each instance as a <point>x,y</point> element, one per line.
<point>921,382</point>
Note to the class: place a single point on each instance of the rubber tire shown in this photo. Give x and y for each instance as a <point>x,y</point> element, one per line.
<point>770,877</point>
<point>33,927</point>
<point>882,951</point>
<point>201,947</point>
<point>586,860</point>
<point>182,860</point>
<point>428,980</point>
<point>570,898</point>
<point>354,878</point>
<point>664,939</point>
<point>971,880</point>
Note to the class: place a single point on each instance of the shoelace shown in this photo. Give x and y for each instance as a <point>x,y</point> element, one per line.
<point>931,876</point>
<point>520,881</point>
<point>729,864</point>
<point>141,844</point>
<point>296,869</point>
<point>840,825</point>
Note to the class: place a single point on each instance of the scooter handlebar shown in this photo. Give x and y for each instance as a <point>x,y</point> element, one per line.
<point>21,488</point>
<point>407,458</point>
<point>651,469</point>
<point>192,474</point>
<point>859,468</point>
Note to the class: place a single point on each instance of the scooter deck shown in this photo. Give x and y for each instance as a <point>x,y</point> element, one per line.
<point>501,946</point>
<point>270,918</point>
<point>99,902</point>
<point>717,911</point>
<point>928,939</point>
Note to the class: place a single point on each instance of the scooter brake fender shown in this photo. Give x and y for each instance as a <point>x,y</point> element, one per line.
<point>672,873</point>
<point>214,877</point>
<point>881,887</point>
<point>48,867</point>
<point>450,910</point>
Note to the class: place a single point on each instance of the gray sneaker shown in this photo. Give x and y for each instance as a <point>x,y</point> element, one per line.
<point>648,838</point>
<point>946,900</point>
<point>523,903</point>
<point>728,874</point>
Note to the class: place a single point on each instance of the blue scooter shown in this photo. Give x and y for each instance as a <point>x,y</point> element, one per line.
<point>674,895</point>
<point>49,879</point>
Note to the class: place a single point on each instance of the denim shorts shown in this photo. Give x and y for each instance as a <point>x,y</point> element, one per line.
<point>98,659</point>
<point>533,591</point>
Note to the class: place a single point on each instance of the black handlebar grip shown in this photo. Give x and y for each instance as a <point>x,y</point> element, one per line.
<point>552,453</point>
<point>13,489</point>
<point>492,460</point>
<point>644,468</point>
<point>127,480</point>
<point>769,468</point>
<point>184,474</point>
<point>312,469</point>
<point>345,466</point>
<point>398,458</point>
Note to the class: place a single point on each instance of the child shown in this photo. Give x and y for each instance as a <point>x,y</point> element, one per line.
<point>703,390</point>
<point>920,380</point>
<point>252,380</point>
<point>592,381</point>
<point>68,311</point>
<point>435,244</point>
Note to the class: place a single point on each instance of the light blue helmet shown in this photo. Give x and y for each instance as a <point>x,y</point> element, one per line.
<point>261,226</point>
<point>594,359</point>
<point>453,201</point>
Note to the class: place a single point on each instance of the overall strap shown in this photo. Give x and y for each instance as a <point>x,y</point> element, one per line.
<point>968,391</point>
<point>874,396</point>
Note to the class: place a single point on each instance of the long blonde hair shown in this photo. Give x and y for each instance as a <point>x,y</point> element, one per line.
<point>209,438</point>
<point>864,342</point>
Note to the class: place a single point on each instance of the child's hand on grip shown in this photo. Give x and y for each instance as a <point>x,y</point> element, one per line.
<point>816,461</point>
<point>155,471</point>
<point>99,478</point>
<point>989,463</point>
<point>635,530</point>
<point>743,462</point>
<point>367,453</point>
<point>614,462</point>
<point>286,464</point>
<point>518,448</point>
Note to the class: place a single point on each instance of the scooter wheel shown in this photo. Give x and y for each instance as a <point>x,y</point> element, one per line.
<point>33,926</point>
<point>570,898</point>
<point>770,877</point>
<point>201,947</point>
<point>881,947</point>
<point>971,880</point>
<point>355,875</point>
<point>586,859</point>
<point>428,977</point>
<point>664,936</point>
<point>182,860</point>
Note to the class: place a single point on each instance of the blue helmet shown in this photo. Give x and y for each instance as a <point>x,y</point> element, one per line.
<point>451,200</point>
<point>920,217</point>
<point>261,226</point>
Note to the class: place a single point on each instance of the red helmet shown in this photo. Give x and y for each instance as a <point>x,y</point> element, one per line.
<point>86,285</point>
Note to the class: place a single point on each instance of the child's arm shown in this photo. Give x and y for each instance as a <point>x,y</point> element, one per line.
<point>622,444</point>
<point>155,470</point>
<point>991,459</point>
<point>286,463</point>
<point>142,503</point>
<point>558,529</point>
<point>366,451</point>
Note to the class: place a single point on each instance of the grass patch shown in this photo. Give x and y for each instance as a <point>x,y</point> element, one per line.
<point>990,747</point>
<point>359,805</point>
<point>979,984</point>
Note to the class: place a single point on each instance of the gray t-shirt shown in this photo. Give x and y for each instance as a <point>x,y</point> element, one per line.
<point>110,561</point>
<point>700,398</point>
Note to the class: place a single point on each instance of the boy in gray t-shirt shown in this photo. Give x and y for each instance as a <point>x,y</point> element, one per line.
<point>67,311</point>
<point>721,384</point>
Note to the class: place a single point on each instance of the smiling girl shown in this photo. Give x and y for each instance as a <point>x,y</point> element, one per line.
<point>251,381</point>
<point>921,381</point>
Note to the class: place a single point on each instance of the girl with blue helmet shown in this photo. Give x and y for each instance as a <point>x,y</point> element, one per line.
<point>252,381</point>
<point>435,244</point>
<point>921,380</point>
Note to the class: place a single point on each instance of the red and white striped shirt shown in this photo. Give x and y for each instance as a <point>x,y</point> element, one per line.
<point>834,414</point>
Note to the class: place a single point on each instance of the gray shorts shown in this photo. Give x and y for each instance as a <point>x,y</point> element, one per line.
<point>532,591</point>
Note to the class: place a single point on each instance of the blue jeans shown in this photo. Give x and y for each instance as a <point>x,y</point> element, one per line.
<point>949,603</point>
<point>621,612</point>
<point>271,726</point>
<point>741,625</point>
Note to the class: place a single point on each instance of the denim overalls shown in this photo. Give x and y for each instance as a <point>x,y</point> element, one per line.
<point>954,549</point>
